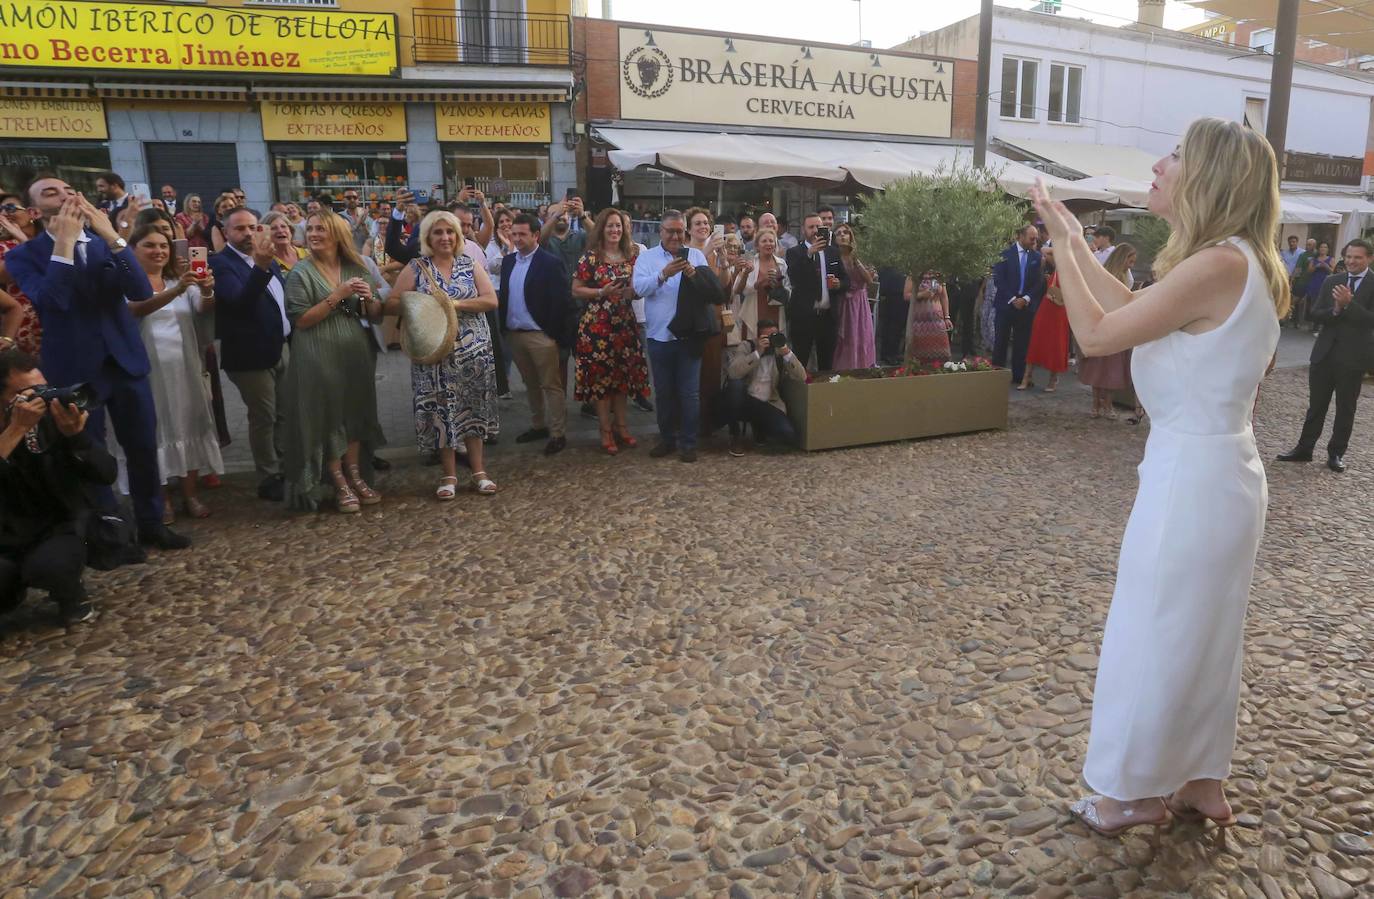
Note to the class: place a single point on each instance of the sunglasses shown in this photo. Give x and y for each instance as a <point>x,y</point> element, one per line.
<point>9,208</point>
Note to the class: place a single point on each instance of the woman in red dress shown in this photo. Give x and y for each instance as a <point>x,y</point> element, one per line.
<point>610,359</point>
<point>1049,342</point>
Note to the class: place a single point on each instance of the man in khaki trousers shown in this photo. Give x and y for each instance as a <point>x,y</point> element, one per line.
<point>534,313</point>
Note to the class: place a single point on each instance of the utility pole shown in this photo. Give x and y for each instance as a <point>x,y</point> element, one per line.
<point>980,108</point>
<point>861,23</point>
<point>1281,78</point>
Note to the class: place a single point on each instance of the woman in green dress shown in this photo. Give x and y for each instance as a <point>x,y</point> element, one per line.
<point>331,394</point>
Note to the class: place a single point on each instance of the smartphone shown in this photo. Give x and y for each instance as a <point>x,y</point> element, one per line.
<point>469,182</point>
<point>684,253</point>
<point>570,195</point>
<point>180,249</point>
<point>140,190</point>
<point>718,231</point>
<point>421,195</point>
<point>436,194</point>
<point>823,233</point>
<point>200,263</point>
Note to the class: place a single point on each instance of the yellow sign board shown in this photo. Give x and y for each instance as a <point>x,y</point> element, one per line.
<point>64,119</point>
<point>678,76</point>
<point>493,122</point>
<point>377,122</point>
<point>73,34</point>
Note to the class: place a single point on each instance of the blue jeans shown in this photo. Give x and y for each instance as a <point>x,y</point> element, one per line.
<point>677,383</point>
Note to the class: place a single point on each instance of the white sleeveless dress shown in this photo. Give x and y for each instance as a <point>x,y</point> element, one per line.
<point>1168,681</point>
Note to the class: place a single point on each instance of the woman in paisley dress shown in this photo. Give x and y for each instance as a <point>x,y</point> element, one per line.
<point>610,359</point>
<point>455,399</point>
<point>16,227</point>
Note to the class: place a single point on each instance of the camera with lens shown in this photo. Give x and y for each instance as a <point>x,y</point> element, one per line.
<point>79,395</point>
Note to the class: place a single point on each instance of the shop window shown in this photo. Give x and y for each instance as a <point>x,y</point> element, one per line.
<point>512,177</point>
<point>302,172</point>
<point>1066,93</point>
<point>1018,88</point>
<point>79,164</point>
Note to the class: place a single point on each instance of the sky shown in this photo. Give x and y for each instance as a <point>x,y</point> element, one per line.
<point>885,22</point>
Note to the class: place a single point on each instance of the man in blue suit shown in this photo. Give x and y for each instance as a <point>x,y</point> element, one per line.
<point>80,280</point>
<point>1020,283</point>
<point>534,309</point>
<point>252,327</point>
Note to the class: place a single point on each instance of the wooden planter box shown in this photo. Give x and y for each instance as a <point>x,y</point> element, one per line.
<point>856,412</point>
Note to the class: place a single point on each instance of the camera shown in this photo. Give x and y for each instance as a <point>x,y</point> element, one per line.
<point>79,395</point>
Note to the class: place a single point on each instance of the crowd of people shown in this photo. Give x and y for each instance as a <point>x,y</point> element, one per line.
<point>147,302</point>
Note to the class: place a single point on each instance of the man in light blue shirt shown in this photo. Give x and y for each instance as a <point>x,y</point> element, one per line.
<point>676,363</point>
<point>1291,255</point>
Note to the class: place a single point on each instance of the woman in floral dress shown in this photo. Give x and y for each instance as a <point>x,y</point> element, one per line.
<point>927,322</point>
<point>455,399</point>
<point>16,227</point>
<point>610,360</point>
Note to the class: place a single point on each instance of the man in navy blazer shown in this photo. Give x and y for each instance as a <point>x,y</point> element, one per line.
<point>252,328</point>
<point>1020,283</point>
<point>80,280</point>
<point>534,307</point>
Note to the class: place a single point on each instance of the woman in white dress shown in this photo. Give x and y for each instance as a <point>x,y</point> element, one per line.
<point>1168,679</point>
<point>187,441</point>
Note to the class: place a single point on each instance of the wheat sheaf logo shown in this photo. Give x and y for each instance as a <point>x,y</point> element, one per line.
<point>648,72</point>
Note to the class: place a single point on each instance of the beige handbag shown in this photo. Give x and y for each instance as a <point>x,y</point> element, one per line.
<point>429,323</point>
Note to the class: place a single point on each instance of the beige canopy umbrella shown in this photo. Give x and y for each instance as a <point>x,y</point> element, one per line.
<point>727,157</point>
<point>1129,191</point>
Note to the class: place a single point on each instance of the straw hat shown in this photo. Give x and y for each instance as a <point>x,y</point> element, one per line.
<point>429,327</point>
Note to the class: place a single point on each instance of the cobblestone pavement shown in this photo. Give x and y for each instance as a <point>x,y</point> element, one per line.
<point>852,673</point>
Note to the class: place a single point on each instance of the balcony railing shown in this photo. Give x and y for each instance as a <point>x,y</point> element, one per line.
<point>492,38</point>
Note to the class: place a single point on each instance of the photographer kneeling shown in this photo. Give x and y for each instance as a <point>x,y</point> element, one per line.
<point>47,466</point>
<point>755,371</point>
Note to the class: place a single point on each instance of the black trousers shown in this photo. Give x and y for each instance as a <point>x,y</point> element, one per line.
<point>499,351</point>
<point>767,421</point>
<point>962,301</point>
<point>817,330</point>
<point>1324,379</point>
<point>53,564</point>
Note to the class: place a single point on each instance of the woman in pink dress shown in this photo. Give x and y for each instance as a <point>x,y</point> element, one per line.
<point>927,322</point>
<point>1107,374</point>
<point>854,345</point>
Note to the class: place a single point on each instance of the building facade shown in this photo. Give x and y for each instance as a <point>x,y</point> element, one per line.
<point>648,86</point>
<point>289,98</point>
<point>1081,99</point>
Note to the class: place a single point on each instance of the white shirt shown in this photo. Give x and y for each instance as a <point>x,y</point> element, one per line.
<point>274,288</point>
<point>761,387</point>
<point>825,285</point>
<point>1103,254</point>
<point>79,249</point>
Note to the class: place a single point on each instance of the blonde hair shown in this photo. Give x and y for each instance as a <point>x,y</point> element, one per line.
<point>1116,264</point>
<point>427,225</point>
<point>1228,186</point>
<point>338,229</point>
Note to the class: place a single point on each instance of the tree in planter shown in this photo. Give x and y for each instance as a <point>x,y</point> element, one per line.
<point>954,221</point>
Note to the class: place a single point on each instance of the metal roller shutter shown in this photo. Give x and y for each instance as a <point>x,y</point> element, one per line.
<point>204,169</point>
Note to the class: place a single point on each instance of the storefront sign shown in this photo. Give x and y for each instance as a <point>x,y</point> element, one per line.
<point>53,119</point>
<point>378,122</point>
<point>1314,168</point>
<point>713,79</point>
<point>494,122</point>
<point>81,35</point>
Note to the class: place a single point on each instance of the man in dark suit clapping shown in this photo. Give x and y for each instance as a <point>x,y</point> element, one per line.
<point>1020,283</point>
<point>251,324</point>
<point>1343,353</point>
<point>80,276</point>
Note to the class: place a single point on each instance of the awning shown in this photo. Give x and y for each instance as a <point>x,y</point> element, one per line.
<point>1132,192</point>
<point>1091,159</point>
<point>401,93</point>
<point>1344,204</point>
<point>753,157</point>
<point>1293,211</point>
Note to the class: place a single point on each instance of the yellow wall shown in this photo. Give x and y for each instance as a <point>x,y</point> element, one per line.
<point>404,8</point>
